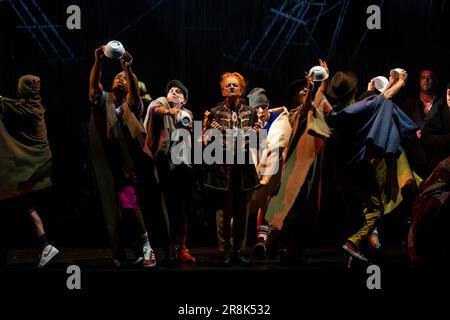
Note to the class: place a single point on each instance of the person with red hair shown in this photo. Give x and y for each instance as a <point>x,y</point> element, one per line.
<point>234,182</point>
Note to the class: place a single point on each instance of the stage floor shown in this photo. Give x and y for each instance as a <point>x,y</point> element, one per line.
<point>325,273</point>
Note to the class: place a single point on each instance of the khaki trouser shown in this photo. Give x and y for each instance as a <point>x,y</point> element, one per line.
<point>372,212</point>
<point>222,242</point>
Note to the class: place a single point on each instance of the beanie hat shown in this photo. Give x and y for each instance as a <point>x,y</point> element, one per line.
<point>257,97</point>
<point>178,84</point>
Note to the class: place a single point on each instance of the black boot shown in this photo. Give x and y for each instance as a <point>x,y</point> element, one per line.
<point>239,259</point>
<point>259,250</point>
<point>225,258</point>
<point>170,255</point>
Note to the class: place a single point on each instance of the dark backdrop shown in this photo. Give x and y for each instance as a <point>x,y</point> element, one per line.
<point>195,41</point>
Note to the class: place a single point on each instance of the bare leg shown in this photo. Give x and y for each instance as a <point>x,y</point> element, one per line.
<point>38,227</point>
<point>48,252</point>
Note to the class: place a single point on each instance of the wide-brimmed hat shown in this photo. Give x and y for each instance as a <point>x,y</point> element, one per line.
<point>342,85</point>
<point>178,84</point>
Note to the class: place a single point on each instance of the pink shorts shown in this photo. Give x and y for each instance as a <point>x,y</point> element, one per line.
<point>128,199</point>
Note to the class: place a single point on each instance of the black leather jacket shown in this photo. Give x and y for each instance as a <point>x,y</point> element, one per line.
<point>227,177</point>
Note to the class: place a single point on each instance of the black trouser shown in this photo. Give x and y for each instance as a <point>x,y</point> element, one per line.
<point>176,188</point>
<point>297,224</point>
<point>235,206</point>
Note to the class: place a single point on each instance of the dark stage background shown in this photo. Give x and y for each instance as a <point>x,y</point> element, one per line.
<point>195,41</point>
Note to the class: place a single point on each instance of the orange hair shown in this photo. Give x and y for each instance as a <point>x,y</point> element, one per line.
<point>237,75</point>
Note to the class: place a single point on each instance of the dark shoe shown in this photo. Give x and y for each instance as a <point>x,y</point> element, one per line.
<point>119,256</point>
<point>225,258</point>
<point>139,254</point>
<point>169,255</point>
<point>354,251</point>
<point>239,259</point>
<point>260,250</point>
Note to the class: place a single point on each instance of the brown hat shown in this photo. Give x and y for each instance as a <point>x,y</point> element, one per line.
<point>342,85</point>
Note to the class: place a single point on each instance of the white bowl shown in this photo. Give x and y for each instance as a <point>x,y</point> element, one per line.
<point>380,83</point>
<point>183,118</point>
<point>318,73</point>
<point>395,73</point>
<point>114,50</point>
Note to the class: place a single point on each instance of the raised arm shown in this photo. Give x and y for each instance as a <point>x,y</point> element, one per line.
<point>395,85</point>
<point>132,81</point>
<point>320,99</point>
<point>95,87</point>
<point>163,111</point>
<point>309,88</point>
<point>324,84</point>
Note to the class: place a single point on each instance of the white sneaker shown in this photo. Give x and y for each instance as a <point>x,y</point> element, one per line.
<point>149,256</point>
<point>48,253</point>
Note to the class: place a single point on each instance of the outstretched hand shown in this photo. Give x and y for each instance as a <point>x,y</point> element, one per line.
<point>403,75</point>
<point>309,81</point>
<point>126,60</point>
<point>174,111</point>
<point>99,53</point>
<point>396,81</point>
<point>324,65</point>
